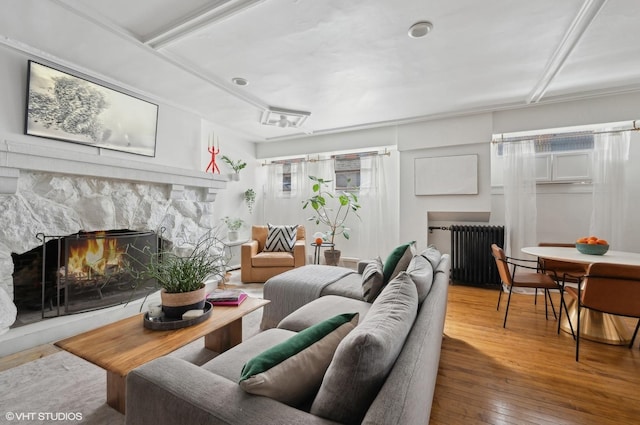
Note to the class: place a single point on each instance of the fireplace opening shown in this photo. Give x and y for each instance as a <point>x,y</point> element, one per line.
<point>80,272</point>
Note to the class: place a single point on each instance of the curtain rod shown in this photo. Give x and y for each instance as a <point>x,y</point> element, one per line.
<point>386,152</point>
<point>568,134</point>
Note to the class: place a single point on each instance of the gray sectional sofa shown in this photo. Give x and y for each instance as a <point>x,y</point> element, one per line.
<point>382,372</point>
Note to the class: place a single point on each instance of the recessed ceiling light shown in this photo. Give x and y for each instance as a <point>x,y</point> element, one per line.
<point>238,81</point>
<point>420,29</point>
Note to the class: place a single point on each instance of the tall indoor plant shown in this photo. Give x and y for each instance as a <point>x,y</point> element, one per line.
<point>334,217</point>
<point>180,273</point>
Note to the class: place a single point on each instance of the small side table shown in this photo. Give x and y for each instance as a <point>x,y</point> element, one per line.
<point>316,252</point>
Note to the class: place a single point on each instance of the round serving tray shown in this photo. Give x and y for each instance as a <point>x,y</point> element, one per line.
<point>166,324</point>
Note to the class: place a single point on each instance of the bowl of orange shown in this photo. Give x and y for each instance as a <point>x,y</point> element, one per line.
<point>592,245</point>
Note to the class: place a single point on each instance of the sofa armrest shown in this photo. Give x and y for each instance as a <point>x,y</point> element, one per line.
<point>299,253</point>
<point>170,390</point>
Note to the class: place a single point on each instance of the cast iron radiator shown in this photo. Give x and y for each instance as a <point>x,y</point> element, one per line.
<point>471,258</point>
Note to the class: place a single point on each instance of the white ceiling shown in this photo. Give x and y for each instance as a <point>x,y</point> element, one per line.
<point>349,63</point>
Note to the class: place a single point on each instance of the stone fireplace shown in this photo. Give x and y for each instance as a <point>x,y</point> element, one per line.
<point>56,192</point>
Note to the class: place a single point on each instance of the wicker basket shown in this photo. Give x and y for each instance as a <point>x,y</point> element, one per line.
<point>592,249</point>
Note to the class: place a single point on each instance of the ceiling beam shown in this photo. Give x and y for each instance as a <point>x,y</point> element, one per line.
<point>583,19</point>
<point>215,12</point>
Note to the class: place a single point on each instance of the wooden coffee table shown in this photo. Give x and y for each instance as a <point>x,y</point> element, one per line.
<point>126,344</point>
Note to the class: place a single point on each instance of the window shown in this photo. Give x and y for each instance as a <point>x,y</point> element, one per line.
<point>347,169</point>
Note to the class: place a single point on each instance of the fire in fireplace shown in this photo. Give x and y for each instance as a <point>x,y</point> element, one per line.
<point>80,272</point>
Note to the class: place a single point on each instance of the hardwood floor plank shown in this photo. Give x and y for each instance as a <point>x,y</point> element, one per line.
<point>526,373</point>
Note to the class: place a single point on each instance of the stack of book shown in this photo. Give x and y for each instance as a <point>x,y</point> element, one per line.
<point>227,297</point>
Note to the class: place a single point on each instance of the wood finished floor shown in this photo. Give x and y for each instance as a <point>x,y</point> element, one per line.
<point>525,374</point>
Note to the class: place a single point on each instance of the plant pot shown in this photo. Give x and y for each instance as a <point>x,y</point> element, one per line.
<point>332,257</point>
<point>232,235</point>
<point>235,177</point>
<point>174,305</point>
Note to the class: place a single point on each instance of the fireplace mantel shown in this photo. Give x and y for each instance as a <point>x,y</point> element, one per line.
<point>16,156</point>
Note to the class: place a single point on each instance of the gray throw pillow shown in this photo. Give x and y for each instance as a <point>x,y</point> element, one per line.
<point>420,271</point>
<point>372,280</point>
<point>365,357</point>
<point>432,254</point>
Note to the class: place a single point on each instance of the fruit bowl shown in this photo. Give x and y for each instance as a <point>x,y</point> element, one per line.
<point>592,249</point>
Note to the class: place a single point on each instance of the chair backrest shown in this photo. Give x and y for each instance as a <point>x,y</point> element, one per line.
<point>501,263</point>
<point>561,267</point>
<point>259,233</point>
<point>612,288</point>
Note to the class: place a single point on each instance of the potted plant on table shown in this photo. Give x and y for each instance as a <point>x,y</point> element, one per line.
<point>233,225</point>
<point>236,165</point>
<point>180,273</point>
<point>333,217</point>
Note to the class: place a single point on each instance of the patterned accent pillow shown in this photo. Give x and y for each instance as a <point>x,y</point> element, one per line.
<point>398,260</point>
<point>292,371</point>
<point>372,280</point>
<point>281,238</point>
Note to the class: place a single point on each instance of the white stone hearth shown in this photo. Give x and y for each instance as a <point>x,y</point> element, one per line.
<point>59,193</point>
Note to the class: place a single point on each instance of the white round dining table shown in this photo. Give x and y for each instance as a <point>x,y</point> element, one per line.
<point>594,325</point>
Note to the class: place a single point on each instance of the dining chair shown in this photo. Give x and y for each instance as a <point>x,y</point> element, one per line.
<point>608,288</point>
<point>522,275</point>
<point>569,272</point>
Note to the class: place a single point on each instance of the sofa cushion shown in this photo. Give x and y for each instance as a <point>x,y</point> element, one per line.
<point>229,364</point>
<point>321,309</point>
<point>372,280</point>
<point>365,357</point>
<point>292,371</point>
<point>281,238</point>
<point>421,273</point>
<point>348,286</point>
<point>398,260</point>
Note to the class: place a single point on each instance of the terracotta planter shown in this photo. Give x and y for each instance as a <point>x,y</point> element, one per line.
<point>174,305</point>
<point>332,257</point>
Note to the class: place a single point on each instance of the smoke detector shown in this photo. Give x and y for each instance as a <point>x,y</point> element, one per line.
<point>284,118</point>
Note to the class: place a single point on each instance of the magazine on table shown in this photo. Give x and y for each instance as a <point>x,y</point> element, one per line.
<point>227,297</point>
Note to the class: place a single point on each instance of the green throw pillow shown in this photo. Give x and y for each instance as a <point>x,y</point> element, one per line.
<point>292,371</point>
<point>398,261</point>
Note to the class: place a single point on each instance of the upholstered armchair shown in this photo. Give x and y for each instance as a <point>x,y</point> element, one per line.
<point>258,265</point>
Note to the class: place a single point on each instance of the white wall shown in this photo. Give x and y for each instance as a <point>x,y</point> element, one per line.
<point>178,141</point>
<point>563,210</point>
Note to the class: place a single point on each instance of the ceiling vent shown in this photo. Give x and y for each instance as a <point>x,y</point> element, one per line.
<point>284,117</point>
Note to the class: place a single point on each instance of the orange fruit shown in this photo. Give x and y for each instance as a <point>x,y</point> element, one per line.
<point>592,241</point>
<point>592,238</point>
<point>319,241</point>
<point>602,242</point>
<point>582,240</point>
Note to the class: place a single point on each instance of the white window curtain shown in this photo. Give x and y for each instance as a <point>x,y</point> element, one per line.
<point>608,213</point>
<point>370,235</point>
<point>519,196</point>
<point>285,207</point>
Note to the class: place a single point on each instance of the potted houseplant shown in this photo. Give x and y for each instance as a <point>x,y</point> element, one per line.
<point>180,273</point>
<point>334,217</point>
<point>233,225</point>
<point>236,165</point>
<point>250,199</point>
